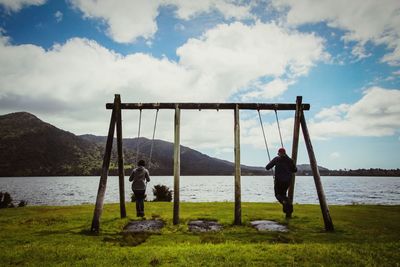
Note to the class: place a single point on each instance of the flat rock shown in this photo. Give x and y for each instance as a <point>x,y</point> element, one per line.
<point>204,226</point>
<point>265,225</point>
<point>148,226</point>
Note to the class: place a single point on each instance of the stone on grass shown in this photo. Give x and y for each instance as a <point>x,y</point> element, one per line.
<point>265,225</point>
<point>204,226</point>
<point>145,226</point>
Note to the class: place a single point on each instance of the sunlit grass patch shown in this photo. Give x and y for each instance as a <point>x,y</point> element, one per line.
<point>364,236</point>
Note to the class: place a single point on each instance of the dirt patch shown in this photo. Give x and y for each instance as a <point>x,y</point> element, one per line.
<point>145,226</point>
<point>137,232</point>
<point>265,225</point>
<point>204,226</point>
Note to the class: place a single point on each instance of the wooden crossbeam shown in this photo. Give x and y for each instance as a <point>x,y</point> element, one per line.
<point>253,106</point>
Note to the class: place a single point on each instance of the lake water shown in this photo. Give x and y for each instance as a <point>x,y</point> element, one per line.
<point>83,190</point>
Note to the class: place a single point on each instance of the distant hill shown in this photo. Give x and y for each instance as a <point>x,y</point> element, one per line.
<point>192,162</point>
<point>32,147</point>
<point>307,168</point>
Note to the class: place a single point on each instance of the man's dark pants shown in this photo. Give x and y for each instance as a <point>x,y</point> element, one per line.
<point>281,188</point>
<point>139,195</point>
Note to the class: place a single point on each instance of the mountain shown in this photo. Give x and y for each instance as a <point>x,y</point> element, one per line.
<point>307,168</point>
<point>32,147</point>
<point>192,161</point>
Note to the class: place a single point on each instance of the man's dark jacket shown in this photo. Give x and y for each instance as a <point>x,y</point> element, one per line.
<point>284,167</point>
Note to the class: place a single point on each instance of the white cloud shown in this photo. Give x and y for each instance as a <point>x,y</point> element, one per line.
<point>129,20</point>
<point>334,155</point>
<point>363,20</point>
<point>234,56</point>
<point>377,113</point>
<point>268,90</point>
<point>76,78</point>
<point>210,68</point>
<point>126,20</point>
<point>334,113</point>
<point>207,129</point>
<point>17,5</point>
<point>229,9</point>
<point>252,132</point>
<point>58,16</point>
<point>360,52</point>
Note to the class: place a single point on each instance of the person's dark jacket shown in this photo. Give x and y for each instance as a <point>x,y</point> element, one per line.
<point>139,177</point>
<point>284,167</point>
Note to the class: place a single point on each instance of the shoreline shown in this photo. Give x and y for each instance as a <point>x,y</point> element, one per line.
<point>200,175</point>
<point>212,203</point>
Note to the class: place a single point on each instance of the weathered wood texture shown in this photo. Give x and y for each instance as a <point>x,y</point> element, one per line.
<point>103,178</point>
<point>253,106</point>
<point>238,208</point>
<point>121,171</point>
<point>177,164</point>
<point>295,144</point>
<point>317,178</point>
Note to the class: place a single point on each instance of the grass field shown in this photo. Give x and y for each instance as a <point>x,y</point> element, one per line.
<point>49,236</point>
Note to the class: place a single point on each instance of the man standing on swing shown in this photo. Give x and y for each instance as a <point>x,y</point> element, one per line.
<point>284,167</point>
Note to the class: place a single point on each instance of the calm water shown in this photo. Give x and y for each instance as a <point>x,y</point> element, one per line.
<point>78,190</point>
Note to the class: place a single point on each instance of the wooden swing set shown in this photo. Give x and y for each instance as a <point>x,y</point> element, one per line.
<point>116,122</point>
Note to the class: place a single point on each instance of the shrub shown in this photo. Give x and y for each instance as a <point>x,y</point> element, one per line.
<point>162,193</point>
<point>22,203</point>
<point>5,200</point>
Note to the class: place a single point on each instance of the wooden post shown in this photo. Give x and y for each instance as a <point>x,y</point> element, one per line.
<point>295,144</point>
<point>177,163</point>
<point>103,178</point>
<point>238,209</point>
<point>121,171</point>
<point>317,178</point>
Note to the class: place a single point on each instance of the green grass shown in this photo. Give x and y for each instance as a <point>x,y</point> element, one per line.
<point>49,236</point>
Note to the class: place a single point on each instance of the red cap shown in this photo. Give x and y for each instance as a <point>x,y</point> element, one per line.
<point>282,150</point>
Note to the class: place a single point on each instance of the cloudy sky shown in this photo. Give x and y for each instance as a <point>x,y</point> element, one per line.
<point>63,60</point>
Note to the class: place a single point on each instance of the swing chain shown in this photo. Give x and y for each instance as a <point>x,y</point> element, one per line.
<point>265,138</point>
<point>279,128</point>
<point>152,140</point>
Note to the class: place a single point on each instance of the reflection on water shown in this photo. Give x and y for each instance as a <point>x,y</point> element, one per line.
<point>78,190</point>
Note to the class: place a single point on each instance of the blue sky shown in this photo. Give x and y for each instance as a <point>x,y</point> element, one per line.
<point>63,60</point>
